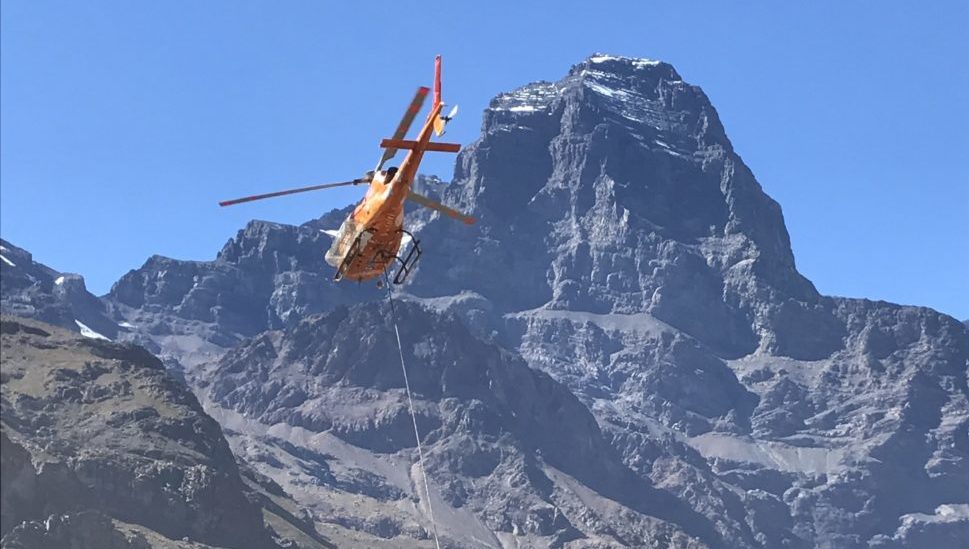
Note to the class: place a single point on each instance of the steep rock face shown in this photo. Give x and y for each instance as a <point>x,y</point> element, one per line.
<point>264,276</point>
<point>34,290</point>
<point>489,422</point>
<point>89,424</point>
<point>268,276</point>
<point>615,190</point>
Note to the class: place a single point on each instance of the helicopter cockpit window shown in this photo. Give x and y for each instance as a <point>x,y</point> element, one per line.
<point>341,244</point>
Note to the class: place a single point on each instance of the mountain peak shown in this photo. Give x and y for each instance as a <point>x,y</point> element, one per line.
<point>644,98</point>
<point>622,163</point>
<point>619,63</point>
<point>627,79</point>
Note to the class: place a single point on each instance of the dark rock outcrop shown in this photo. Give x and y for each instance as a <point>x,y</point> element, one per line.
<point>84,530</point>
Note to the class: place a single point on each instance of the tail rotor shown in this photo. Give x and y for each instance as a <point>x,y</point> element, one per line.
<point>442,120</point>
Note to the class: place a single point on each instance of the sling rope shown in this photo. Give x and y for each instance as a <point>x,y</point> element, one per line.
<point>413,415</point>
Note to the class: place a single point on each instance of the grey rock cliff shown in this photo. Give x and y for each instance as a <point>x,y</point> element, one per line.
<point>268,276</point>
<point>615,190</point>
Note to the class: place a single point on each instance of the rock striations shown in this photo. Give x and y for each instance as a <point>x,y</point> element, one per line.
<point>621,353</point>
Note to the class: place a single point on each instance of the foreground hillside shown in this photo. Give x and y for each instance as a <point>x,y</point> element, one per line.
<point>103,448</point>
<point>99,430</point>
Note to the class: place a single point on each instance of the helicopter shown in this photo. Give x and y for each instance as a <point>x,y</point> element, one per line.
<point>373,234</point>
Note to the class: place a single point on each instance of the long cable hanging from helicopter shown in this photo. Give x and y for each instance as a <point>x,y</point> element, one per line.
<point>413,414</point>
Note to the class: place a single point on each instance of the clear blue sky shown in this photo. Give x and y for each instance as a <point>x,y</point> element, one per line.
<point>123,123</point>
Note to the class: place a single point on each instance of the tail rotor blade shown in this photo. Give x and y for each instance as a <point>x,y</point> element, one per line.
<point>290,191</point>
<point>441,123</point>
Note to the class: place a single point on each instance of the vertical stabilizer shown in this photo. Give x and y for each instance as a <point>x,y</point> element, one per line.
<point>437,79</point>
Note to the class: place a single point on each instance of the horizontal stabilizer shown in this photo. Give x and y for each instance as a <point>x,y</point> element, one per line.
<point>332,233</point>
<point>408,144</point>
<point>450,212</point>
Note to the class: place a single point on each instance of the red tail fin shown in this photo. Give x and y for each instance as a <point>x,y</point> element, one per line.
<point>437,79</point>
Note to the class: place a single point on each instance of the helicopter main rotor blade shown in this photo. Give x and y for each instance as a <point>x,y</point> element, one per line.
<point>434,205</point>
<point>291,191</point>
<point>405,122</point>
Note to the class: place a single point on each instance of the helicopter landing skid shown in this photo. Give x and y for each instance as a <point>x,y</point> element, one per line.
<point>409,260</point>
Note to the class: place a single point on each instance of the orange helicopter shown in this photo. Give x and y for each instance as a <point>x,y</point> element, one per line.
<point>371,237</point>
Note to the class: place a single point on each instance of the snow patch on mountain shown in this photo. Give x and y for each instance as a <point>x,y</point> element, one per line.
<point>88,332</point>
<point>641,62</point>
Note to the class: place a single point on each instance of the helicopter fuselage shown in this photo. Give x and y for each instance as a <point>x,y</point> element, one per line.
<point>369,240</point>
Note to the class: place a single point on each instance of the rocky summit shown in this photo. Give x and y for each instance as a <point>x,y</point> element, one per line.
<point>620,353</point>
<point>34,290</point>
